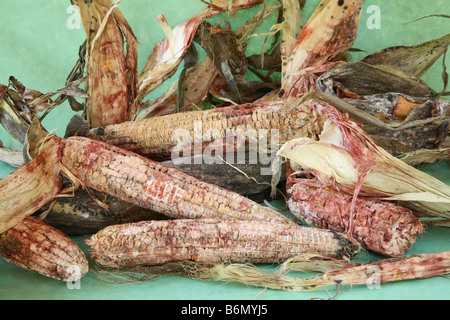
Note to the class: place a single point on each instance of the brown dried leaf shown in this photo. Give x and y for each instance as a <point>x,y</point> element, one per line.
<point>30,187</point>
<point>111,67</point>
<point>414,60</point>
<point>330,31</point>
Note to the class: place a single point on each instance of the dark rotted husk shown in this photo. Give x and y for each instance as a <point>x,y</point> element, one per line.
<point>246,178</point>
<point>395,99</point>
<point>363,79</point>
<point>81,214</point>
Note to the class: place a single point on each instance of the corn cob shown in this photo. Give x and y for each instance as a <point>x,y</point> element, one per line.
<point>149,184</point>
<point>380,226</point>
<point>158,137</point>
<point>36,246</point>
<point>243,178</point>
<point>417,266</point>
<point>211,241</point>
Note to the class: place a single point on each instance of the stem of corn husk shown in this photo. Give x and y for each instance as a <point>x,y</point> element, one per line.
<point>335,272</point>
<point>345,158</point>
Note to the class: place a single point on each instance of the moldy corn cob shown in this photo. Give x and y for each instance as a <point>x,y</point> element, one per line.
<point>158,136</point>
<point>144,182</point>
<point>211,241</point>
<point>380,226</point>
<point>36,246</point>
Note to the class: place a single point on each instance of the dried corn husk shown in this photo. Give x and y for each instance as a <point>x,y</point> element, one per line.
<point>197,81</point>
<point>363,79</point>
<point>414,60</point>
<point>344,157</point>
<point>166,55</point>
<point>387,85</point>
<point>29,188</point>
<point>80,214</point>
<point>111,66</point>
<point>425,121</point>
<point>321,39</point>
<point>10,118</point>
<point>11,156</point>
<point>420,157</point>
<point>20,105</point>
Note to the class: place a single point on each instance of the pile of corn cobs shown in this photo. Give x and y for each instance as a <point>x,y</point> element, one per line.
<point>179,180</point>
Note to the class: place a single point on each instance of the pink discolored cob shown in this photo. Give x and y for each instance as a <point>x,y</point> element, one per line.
<point>149,184</point>
<point>211,241</point>
<point>36,246</point>
<point>417,266</point>
<point>380,226</point>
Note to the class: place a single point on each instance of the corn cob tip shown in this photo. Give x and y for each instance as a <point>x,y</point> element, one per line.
<point>75,272</point>
<point>36,246</point>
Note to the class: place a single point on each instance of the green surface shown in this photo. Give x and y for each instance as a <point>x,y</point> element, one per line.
<point>39,49</point>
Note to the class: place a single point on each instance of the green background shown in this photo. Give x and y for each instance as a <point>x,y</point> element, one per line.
<point>39,46</point>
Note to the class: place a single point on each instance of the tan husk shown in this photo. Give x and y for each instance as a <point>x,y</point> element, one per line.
<point>321,39</point>
<point>30,187</point>
<point>111,65</point>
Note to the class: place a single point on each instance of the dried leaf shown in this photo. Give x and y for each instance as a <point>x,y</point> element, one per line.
<point>330,31</point>
<point>196,84</point>
<point>29,188</point>
<point>166,56</point>
<point>111,62</point>
<point>364,79</point>
<point>414,60</point>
